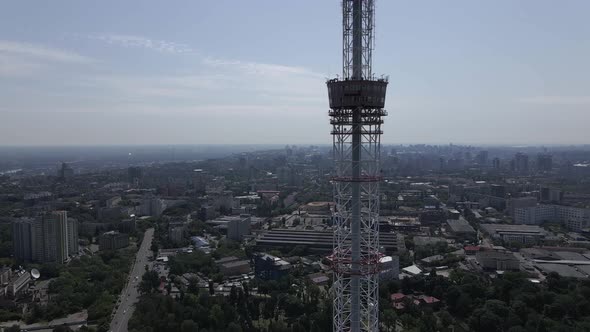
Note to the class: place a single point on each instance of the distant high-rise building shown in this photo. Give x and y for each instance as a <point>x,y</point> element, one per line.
<point>50,239</point>
<point>199,180</point>
<point>521,163</point>
<point>498,190</point>
<point>547,194</point>
<point>134,175</point>
<point>60,219</point>
<point>45,239</point>
<point>238,227</point>
<point>65,171</point>
<point>544,162</point>
<point>73,247</point>
<point>37,241</point>
<point>21,239</point>
<point>482,158</point>
<point>496,163</point>
<point>152,206</point>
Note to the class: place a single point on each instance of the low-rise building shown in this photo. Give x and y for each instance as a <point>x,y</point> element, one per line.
<point>235,267</point>
<point>319,278</point>
<point>422,241</point>
<point>399,300</point>
<point>268,267</point>
<point>5,275</point>
<point>471,250</point>
<point>461,229</point>
<point>497,260</point>
<point>19,284</point>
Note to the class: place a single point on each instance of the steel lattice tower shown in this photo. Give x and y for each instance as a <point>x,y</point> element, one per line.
<point>356,103</point>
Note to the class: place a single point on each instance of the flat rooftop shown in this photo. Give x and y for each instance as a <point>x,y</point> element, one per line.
<point>460,226</point>
<point>562,270</point>
<point>513,229</point>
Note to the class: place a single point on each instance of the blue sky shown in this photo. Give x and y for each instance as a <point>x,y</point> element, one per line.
<point>202,72</point>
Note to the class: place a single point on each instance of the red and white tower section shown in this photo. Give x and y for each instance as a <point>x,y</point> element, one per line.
<point>356,115</point>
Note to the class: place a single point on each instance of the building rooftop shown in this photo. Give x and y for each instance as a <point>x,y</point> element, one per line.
<point>414,270</point>
<point>426,240</point>
<point>226,260</point>
<point>460,226</point>
<point>315,240</point>
<point>236,263</point>
<point>501,229</point>
<point>561,269</point>
<point>568,255</point>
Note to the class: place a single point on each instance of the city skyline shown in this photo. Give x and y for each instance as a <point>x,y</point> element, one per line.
<point>226,72</point>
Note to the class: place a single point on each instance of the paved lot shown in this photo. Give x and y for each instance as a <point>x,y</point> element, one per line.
<point>130,294</point>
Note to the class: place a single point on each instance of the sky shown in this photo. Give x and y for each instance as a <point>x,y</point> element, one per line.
<point>232,72</point>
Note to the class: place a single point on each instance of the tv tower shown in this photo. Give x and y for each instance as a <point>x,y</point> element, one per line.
<point>356,115</point>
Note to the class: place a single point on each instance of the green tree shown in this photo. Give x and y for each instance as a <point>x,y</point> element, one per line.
<point>211,287</point>
<point>149,281</point>
<point>389,318</point>
<point>193,286</point>
<point>62,328</point>
<point>188,326</point>
<point>233,327</point>
<point>216,317</point>
<point>13,328</point>
<point>154,248</point>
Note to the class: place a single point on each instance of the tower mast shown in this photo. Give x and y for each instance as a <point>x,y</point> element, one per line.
<point>356,103</point>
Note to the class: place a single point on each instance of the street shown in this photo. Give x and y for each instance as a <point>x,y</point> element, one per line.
<point>130,294</point>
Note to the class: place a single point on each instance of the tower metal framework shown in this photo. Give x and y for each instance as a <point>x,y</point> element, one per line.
<point>356,112</point>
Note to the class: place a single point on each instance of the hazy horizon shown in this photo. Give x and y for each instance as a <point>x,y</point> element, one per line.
<point>219,72</point>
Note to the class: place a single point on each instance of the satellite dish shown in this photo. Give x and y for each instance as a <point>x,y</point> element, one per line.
<point>35,274</point>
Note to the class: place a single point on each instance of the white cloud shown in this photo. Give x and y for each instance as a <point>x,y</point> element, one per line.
<point>556,100</point>
<point>143,42</point>
<point>262,69</point>
<point>16,66</point>
<point>41,52</point>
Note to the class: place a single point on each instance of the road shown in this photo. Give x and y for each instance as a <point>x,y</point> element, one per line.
<point>130,294</point>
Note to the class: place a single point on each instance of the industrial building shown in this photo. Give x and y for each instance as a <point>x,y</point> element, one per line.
<point>461,229</point>
<point>497,260</point>
<point>318,241</point>
<point>514,233</point>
